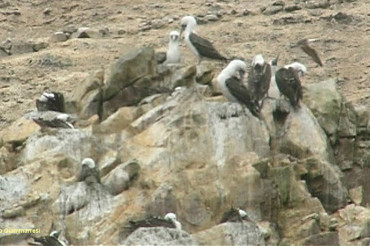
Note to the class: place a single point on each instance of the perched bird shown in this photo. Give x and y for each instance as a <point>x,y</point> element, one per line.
<point>50,101</point>
<point>289,83</point>
<point>89,171</point>
<point>231,84</point>
<point>169,221</point>
<point>304,45</point>
<point>234,215</point>
<point>51,240</point>
<point>173,52</point>
<point>52,119</point>
<point>201,47</point>
<point>259,78</point>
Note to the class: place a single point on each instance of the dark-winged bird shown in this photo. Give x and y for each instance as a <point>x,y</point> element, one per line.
<point>201,47</point>
<point>304,45</point>
<point>259,78</point>
<point>231,84</point>
<point>50,101</point>
<point>289,83</point>
<point>234,215</point>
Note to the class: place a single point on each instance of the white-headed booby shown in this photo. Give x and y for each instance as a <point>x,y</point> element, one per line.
<point>52,119</point>
<point>231,84</point>
<point>234,215</point>
<point>201,47</point>
<point>259,78</point>
<point>304,45</point>
<point>289,83</point>
<point>89,171</point>
<point>51,240</point>
<point>169,221</point>
<point>50,101</point>
<point>173,52</point>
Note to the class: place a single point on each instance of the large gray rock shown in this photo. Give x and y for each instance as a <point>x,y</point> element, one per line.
<point>160,236</point>
<point>301,136</point>
<point>120,178</point>
<point>324,181</point>
<point>128,71</point>
<point>87,98</point>
<point>74,143</point>
<point>325,102</point>
<point>247,233</point>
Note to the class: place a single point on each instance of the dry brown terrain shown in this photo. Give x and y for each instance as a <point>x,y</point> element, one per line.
<point>242,30</point>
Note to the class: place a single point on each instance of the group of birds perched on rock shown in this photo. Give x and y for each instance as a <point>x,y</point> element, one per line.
<point>261,74</point>
<point>264,80</point>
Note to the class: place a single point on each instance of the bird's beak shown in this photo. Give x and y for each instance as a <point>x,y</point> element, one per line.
<point>241,73</point>
<point>312,40</point>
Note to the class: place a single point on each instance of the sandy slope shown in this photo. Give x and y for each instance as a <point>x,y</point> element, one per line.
<point>344,45</point>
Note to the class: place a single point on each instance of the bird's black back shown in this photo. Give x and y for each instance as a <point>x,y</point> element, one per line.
<point>48,241</point>
<point>55,103</point>
<point>231,215</point>
<point>149,222</point>
<point>289,84</point>
<point>204,47</point>
<point>259,78</point>
<point>242,94</point>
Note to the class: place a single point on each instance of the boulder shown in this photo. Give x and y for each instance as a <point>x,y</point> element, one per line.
<point>73,143</point>
<point>301,136</point>
<point>246,233</point>
<point>87,97</point>
<point>324,181</point>
<point>120,178</point>
<point>18,131</point>
<point>325,102</point>
<point>131,78</point>
<point>128,70</point>
<point>160,236</point>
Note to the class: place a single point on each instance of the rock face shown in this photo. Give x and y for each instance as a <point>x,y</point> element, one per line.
<point>162,146</point>
<point>159,236</point>
<point>231,234</point>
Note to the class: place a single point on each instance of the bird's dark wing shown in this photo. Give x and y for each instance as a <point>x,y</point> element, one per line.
<point>48,241</point>
<point>289,84</point>
<point>149,222</point>
<point>54,103</point>
<point>232,215</point>
<point>53,123</point>
<point>241,93</point>
<point>204,47</point>
<point>259,81</point>
<point>312,53</point>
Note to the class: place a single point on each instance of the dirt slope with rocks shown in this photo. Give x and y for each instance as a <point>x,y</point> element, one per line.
<point>237,28</point>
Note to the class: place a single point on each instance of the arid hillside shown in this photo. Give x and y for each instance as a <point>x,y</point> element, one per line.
<point>237,28</point>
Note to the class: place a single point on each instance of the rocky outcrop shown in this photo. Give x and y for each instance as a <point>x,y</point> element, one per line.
<point>175,150</point>
<point>159,236</point>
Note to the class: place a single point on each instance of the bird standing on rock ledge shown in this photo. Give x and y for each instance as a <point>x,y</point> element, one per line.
<point>231,84</point>
<point>288,80</point>
<point>201,47</point>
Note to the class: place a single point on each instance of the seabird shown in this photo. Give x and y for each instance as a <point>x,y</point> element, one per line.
<point>51,240</point>
<point>289,83</point>
<point>50,101</point>
<point>201,47</point>
<point>169,221</point>
<point>173,52</point>
<point>232,86</point>
<point>52,119</point>
<point>304,45</point>
<point>89,171</point>
<point>259,78</point>
<point>234,215</point>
